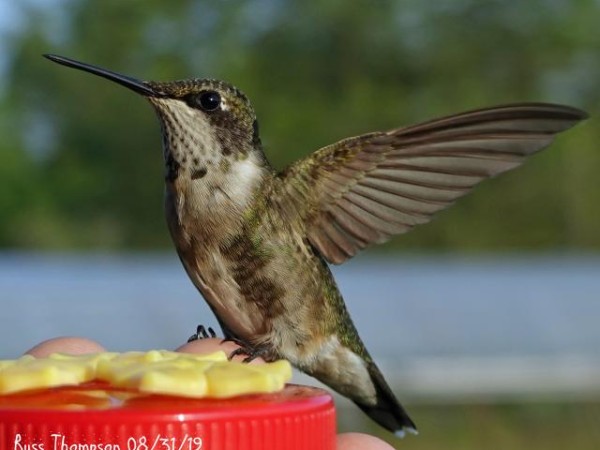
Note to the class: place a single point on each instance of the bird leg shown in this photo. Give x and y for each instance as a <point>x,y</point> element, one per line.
<point>251,352</point>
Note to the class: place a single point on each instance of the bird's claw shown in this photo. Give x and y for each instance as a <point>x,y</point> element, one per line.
<point>202,333</point>
<point>244,349</point>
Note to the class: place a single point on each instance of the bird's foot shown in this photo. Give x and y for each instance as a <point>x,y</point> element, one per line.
<point>251,352</point>
<point>202,333</point>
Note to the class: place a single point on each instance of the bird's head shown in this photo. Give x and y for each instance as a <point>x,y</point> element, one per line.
<point>204,122</point>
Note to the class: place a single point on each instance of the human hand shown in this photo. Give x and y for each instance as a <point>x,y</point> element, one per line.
<point>78,346</point>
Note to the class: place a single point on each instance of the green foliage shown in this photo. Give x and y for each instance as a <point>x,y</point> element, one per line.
<point>82,164</point>
<point>494,426</point>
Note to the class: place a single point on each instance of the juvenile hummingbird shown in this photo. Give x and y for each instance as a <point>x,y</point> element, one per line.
<point>257,242</point>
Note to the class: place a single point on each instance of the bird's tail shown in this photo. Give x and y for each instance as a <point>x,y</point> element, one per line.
<point>387,411</point>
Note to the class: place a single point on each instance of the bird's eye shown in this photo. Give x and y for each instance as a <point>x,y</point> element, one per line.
<point>209,100</point>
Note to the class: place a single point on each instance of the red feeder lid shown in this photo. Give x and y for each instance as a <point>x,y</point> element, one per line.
<point>78,418</point>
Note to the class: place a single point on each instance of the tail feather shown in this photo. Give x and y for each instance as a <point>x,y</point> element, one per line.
<point>350,370</point>
<point>387,411</point>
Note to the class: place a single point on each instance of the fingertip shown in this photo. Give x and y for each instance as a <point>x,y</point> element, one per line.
<point>360,441</point>
<point>65,344</point>
<point>207,345</point>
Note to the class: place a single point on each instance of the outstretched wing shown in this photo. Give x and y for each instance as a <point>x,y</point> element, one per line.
<point>364,189</point>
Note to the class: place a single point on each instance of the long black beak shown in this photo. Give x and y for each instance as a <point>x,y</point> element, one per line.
<point>135,85</point>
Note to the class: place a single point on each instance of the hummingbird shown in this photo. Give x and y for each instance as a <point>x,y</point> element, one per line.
<point>257,243</point>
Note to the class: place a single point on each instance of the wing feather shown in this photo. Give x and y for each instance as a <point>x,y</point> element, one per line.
<point>365,189</point>
<point>363,234</point>
<point>412,191</point>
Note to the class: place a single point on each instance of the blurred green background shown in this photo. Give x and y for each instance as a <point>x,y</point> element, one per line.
<point>81,157</point>
<point>82,165</point>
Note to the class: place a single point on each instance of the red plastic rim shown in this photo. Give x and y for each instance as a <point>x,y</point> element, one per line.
<point>298,418</point>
